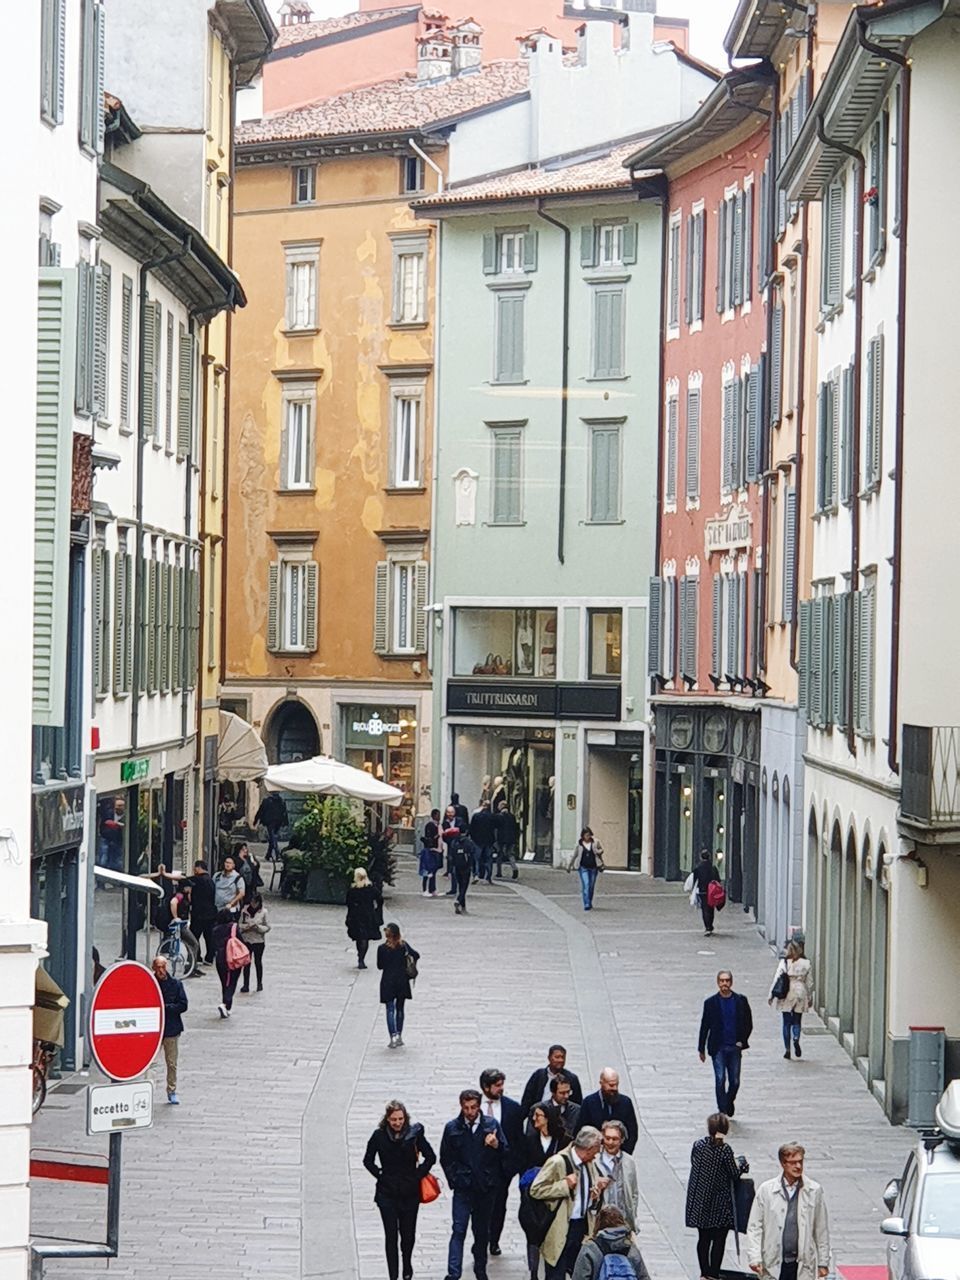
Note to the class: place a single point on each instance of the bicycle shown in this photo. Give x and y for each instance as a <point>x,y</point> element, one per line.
<point>43,1055</point>
<point>181,959</point>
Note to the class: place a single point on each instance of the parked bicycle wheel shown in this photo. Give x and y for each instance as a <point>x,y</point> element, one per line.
<point>39,1088</point>
<point>180,959</point>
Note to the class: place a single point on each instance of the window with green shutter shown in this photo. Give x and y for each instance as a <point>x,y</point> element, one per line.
<point>86,337</point>
<point>670,460</point>
<point>152,627</point>
<point>100,629</point>
<point>692,445</point>
<point>126,340</point>
<point>91,75</point>
<point>168,385</point>
<point>828,422</point>
<point>165,627</point>
<point>876,194</point>
<point>186,392</point>
<point>608,332</point>
<point>53,47</point>
<point>122,602</point>
<point>150,370</point>
<point>864,649</point>
<point>776,364</point>
<point>730,435</point>
<point>192,645</point>
<point>509,344</point>
<point>604,505</point>
<point>804,657</point>
<point>56,365</point>
<point>716,628</point>
<point>840,664</point>
<point>873,441</point>
<point>177,620</point>
<point>847,427</point>
<point>831,269</point>
<point>789,552</point>
<point>507,475</point>
<point>655,627</point>
<point>101,349</point>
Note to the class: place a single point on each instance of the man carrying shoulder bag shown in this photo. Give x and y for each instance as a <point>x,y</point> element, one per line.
<point>570,1179</point>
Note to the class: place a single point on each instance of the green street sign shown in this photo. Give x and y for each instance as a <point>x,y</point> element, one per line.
<point>135,770</point>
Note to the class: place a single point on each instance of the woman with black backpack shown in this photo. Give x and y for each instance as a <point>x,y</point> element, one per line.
<point>397,962</point>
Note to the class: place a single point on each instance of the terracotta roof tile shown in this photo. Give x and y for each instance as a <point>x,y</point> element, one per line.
<point>599,173</point>
<point>297,32</point>
<point>391,106</point>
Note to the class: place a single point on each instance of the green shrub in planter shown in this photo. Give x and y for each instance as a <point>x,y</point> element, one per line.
<point>331,839</point>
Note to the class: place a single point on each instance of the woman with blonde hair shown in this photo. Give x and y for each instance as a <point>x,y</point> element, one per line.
<point>793,991</point>
<point>364,914</point>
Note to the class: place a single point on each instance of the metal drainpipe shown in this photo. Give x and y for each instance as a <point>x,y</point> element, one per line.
<point>187,521</point>
<point>860,165</point>
<point>903,163</point>
<point>564,374</point>
<point>153,265</point>
<point>801,387</point>
<point>760,658</point>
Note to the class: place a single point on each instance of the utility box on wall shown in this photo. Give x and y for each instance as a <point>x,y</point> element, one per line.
<point>925,1083</point>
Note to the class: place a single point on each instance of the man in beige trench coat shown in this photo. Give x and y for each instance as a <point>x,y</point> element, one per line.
<point>570,1177</point>
<point>788,1236</point>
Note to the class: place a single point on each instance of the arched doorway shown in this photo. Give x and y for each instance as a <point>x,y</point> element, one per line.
<point>291,733</point>
<point>832,924</point>
<point>878,995</point>
<point>861,1020</point>
<point>848,935</point>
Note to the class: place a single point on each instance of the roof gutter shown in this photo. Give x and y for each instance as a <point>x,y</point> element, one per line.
<point>564,376</point>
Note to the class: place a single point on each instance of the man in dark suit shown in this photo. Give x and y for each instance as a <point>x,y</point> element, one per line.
<point>483,833</point>
<point>508,1115</point>
<point>538,1086</point>
<point>569,1112</point>
<point>474,1155</point>
<point>608,1103</point>
<point>725,1030</point>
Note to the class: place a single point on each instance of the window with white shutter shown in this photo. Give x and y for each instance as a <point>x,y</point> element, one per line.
<point>91,75</point>
<point>406,402</point>
<point>409,279</point>
<point>672,425</point>
<point>789,552</point>
<point>692,445</point>
<point>673,276</point>
<point>508,337</point>
<point>302,264</point>
<point>831,260</point>
<point>604,473</point>
<point>608,332</point>
<point>847,427</point>
<point>297,443</point>
<point>876,193</point>
<point>873,442</point>
<point>506,504</point>
<point>53,44</point>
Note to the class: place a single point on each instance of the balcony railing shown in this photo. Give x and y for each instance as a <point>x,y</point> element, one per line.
<point>930,777</point>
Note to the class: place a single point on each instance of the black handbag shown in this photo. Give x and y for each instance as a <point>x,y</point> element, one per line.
<point>781,985</point>
<point>411,964</point>
<point>536,1216</point>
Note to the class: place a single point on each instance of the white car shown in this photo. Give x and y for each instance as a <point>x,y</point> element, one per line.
<point>923,1235</point>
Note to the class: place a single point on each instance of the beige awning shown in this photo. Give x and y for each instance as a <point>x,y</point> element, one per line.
<point>241,755</point>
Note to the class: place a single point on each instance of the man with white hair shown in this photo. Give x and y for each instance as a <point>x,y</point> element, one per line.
<point>608,1103</point>
<point>174,1006</point>
<point>569,1179</point>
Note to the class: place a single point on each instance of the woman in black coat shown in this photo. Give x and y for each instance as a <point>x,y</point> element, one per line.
<point>364,914</point>
<point>398,1155</point>
<point>393,955</point>
<point>543,1137</point>
<point>713,1171</point>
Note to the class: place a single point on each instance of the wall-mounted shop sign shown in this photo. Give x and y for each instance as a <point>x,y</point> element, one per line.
<point>558,701</point>
<point>57,819</point>
<point>135,770</point>
<point>375,727</point>
<point>731,532</point>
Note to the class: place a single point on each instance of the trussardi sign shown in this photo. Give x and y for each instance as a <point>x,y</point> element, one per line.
<point>480,699</point>
<point>728,533</point>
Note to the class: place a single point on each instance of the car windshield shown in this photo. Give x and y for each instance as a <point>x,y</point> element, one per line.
<point>940,1207</point>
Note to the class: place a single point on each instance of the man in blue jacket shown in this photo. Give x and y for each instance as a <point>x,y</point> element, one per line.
<point>474,1156</point>
<point>725,1030</point>
<point>508,1115</point>
<point>608,1103</point>
<point>174,1006</point>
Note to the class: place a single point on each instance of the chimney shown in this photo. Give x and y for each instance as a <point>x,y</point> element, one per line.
<point>540,42</point>
<point>293,12</point>
<point>467,51</point>
<point>434,56</point>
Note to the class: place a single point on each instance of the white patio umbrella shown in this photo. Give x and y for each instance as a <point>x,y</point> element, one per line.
<point>324,776</point>
<point>241,755</point>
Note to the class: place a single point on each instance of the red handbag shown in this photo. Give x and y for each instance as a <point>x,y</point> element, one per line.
<point>429,1189</point>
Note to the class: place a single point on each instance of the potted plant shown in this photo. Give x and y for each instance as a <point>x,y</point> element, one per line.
<point>333,843</point>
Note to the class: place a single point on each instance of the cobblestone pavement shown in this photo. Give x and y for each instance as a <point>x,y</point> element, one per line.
<point>258,1174</point>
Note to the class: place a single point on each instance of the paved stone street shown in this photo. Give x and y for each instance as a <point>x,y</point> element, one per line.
<point>258,1174</point>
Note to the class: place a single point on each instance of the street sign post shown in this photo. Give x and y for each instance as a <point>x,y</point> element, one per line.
<point>126,1020</point>
<point>114,1107</point>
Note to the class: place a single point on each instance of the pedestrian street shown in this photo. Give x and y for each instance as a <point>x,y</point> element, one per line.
<point>258,1172</point>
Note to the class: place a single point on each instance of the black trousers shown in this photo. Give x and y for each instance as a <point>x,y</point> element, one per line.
<point>498,1213</point>
<point>203,929</point>
<point>256,950</point>
<point>708,913</point>
<point>462,881</point>
<point>571,1250</point>
<point>710,1245</point>
<point>399,1223</point>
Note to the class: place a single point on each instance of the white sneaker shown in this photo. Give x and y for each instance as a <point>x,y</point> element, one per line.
<point>223,1011</point>
<point>399,1044</point>
<point>393,1042</point>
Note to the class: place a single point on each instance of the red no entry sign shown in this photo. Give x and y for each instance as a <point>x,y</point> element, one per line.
<point>126,1020</point>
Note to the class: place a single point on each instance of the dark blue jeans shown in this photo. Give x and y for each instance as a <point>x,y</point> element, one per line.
<point>469,1208</point>
<point>588,882</point>
<point>791,1027</point>
<point>395,1017</point>
<point>726,1070</point>
<point>483,861</point>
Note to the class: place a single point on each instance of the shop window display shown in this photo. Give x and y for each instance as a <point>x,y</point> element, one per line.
<point>523,760</point>
<point>506,642</point>
<point>382,741</point>
<point>605,642</point>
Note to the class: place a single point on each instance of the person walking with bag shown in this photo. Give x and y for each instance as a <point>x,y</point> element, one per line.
<point>397,962</point>
<point>788,1235</point>
<point>474,1156</point>
<point>229,953</point>
<point>399,1156</point>
<point>254,927</point>
<point>705,874</point>
<point>610,1252</point>
<point>714,1173</point>
<point>570,1181</point>
<point>431,859</point>
<point>544,1137</point>
<point>793,991</point>
<point>364,914</point>
<point>588,861</point>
